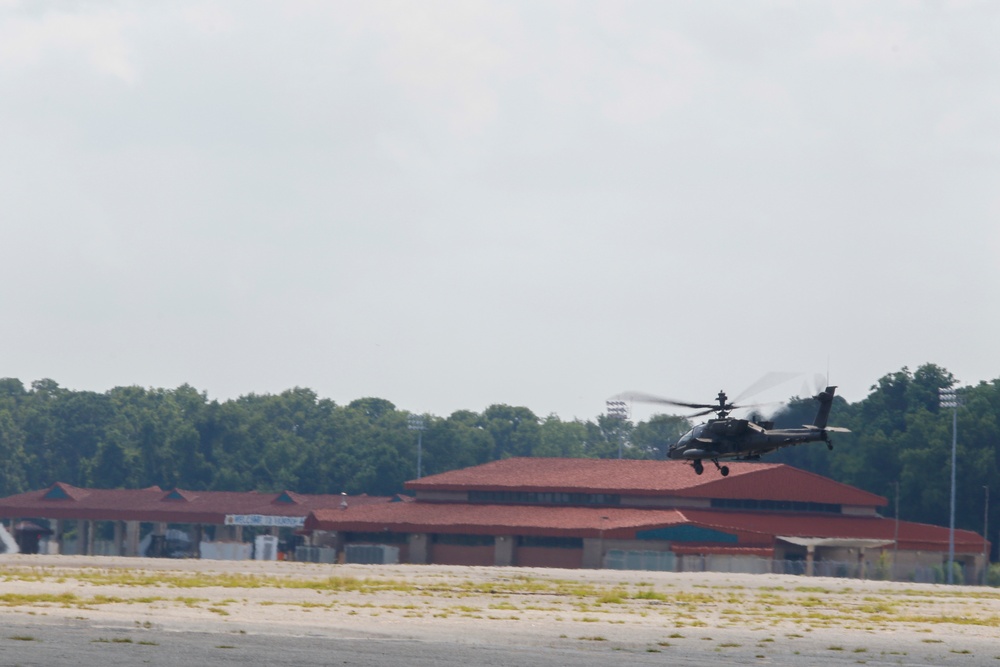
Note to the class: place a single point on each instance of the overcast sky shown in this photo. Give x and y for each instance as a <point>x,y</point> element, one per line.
<point>455,204</point>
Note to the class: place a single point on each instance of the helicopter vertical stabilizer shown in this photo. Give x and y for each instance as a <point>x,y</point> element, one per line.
<point>825,399</point>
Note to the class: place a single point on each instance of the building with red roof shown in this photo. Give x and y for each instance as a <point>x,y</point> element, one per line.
<point>121,513</point>
<point>594,513</point>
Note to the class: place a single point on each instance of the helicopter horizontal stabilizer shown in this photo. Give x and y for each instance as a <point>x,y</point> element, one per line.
<point>831,429</point>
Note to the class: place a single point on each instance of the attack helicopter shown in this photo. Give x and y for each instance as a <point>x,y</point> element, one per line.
<point>726,437</point>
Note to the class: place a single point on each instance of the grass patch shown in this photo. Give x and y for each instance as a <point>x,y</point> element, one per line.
<point>649,594</point>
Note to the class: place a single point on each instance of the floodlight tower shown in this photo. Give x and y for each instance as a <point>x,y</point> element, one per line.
<point>949,399</point>
<point>986,527</point>
<point>416,423</point>
<point>618,411</point>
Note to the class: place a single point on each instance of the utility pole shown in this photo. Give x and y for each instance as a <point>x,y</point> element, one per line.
<point>986,527</point>
<point>895,536</point>
<point>949,399</point>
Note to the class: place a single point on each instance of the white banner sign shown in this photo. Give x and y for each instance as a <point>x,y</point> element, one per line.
<point>265,520</point>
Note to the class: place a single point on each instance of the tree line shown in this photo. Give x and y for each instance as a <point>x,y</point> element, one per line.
<point>134,437</point>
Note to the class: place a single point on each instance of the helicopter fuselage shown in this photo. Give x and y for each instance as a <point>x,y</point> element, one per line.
<point>738,439</point>
<point>741,439</point>
<point>726,437</point>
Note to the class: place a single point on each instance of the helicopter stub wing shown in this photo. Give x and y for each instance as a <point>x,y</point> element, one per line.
<point>695,454</point>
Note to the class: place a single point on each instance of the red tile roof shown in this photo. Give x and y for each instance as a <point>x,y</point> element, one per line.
<point>492,519</point>
<point>175,506</point>
<point>766,524</point>
<point>759,481</point>
<point>754,530</point>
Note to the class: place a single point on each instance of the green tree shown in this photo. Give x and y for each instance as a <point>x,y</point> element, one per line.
<point>561,439</point>
<point>460,441</point>
<point>652,439</point>
<point>515,430</point>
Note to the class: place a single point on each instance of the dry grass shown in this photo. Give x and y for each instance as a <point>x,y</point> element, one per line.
<point>748,615</point>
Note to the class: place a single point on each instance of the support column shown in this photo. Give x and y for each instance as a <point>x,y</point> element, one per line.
<point>418,548</point>
<point>88,537</point>
<point>132,538</point>
<point>504,550</point>
<point>593,553</point>
<point>199,531</point>
<point>57,534</point>
<point>119,538</point>
<point>810,559</point>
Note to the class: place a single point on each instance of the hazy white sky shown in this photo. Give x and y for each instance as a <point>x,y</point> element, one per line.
<point>455,204</point>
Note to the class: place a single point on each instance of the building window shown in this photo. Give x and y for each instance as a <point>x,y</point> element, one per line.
<point>463,540</point>
<point>550,542</point>
<point>543,498</point>
<point>384,537</point>
<point>774,505</point>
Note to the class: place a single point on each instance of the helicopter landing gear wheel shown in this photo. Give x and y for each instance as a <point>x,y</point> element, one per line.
<point>722,469</point>
<point>829,445</point>
<point>698,467</point>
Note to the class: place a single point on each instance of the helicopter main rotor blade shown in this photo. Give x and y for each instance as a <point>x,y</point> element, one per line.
<point>641,397</point>
<point>767,382</point>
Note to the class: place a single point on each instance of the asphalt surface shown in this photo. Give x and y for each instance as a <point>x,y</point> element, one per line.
<point>435,619</point>
<point>76,643</point>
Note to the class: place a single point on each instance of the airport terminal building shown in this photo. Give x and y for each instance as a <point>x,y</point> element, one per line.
<point>65,519</point>
<point>531,512</point>
<point>630,514</point>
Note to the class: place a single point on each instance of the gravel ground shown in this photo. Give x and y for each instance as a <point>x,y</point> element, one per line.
<point>97,610</point>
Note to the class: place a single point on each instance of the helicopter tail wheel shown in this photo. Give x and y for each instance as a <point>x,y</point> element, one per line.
<point>698,467</point>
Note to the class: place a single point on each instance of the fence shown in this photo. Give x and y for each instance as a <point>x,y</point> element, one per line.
<point>661,561</point>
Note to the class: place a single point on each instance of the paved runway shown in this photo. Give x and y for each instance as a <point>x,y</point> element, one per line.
<point>80,643</point>
<point>79,612</point>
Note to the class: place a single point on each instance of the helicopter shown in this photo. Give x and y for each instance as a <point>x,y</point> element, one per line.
<point>726,437</point>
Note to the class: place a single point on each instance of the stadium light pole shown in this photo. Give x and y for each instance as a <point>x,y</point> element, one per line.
<point>949,399</point>
<point>986,527</point>
<point>416,423</point>
<point>618,411</point>
<point>895,537</point>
